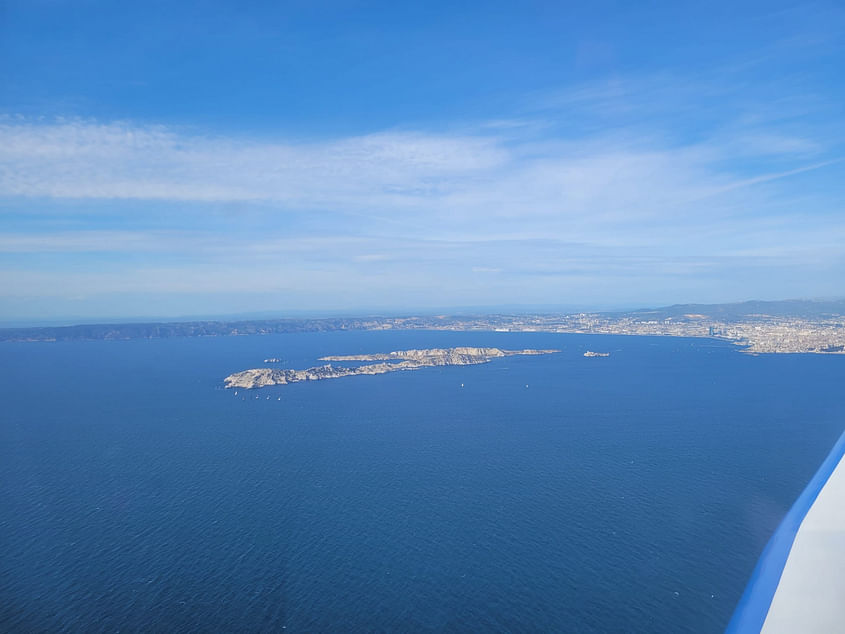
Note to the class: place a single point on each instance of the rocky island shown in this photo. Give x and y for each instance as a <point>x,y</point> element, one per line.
<point>396,361</point>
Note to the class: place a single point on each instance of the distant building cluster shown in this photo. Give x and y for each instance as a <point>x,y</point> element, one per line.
<point>757,334</point>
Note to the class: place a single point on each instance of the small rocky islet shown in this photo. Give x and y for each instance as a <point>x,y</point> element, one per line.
<point>396,361</point>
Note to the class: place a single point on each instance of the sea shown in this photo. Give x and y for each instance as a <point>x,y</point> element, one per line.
<point>629,493</point>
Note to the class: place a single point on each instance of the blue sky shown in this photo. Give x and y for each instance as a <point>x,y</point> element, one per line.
<point>224,158</point>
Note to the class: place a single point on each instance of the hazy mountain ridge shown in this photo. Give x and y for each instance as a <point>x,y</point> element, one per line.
<point>800,308</point>
<point>738,312</point>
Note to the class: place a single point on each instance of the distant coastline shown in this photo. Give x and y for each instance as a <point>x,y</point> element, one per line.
<point>757,327</point>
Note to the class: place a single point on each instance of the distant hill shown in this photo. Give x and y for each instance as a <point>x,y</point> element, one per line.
<point>806,309</point>
<point>750,310</point>
<point>176,329</point>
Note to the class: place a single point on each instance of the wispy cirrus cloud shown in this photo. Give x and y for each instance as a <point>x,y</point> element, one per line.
<point>593,192</point>
<point>442,179</point>
<point>83,159</point>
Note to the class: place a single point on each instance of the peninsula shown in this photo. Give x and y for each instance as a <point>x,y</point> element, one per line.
<point>396,361</point>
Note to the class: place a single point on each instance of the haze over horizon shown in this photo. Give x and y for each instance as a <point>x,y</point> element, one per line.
<point>208,159</point>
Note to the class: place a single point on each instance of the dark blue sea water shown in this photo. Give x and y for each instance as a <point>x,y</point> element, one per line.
<point>626,494</point>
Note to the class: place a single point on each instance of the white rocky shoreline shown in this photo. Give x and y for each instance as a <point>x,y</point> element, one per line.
<point>396,361</point>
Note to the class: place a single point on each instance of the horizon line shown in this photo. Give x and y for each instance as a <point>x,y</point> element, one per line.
<point>449,311</point>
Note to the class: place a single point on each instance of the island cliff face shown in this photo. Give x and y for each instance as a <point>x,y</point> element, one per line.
<point>396,361</point>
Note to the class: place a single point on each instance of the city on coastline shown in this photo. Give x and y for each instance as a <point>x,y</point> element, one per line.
<point>757,327</point>
<point>762,334</point>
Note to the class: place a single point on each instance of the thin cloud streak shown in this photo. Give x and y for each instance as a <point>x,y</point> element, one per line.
<point>767,178</point>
